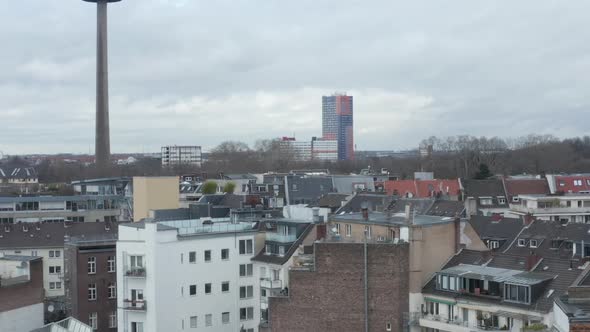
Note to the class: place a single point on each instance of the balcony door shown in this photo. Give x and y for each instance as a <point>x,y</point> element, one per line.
<point>136,295</point>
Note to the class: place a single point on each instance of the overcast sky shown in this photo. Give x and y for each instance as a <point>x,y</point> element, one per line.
<point>200,72</point>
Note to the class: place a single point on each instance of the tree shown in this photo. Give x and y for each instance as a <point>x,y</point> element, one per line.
<point>209,188</point>
<point>229,188</point>
<point>483,173</point>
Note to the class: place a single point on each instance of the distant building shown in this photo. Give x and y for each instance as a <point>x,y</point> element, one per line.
<point>91,280</point>
<point>574,208</point>
<point>19,179</point>
<point>484,197</point>
<point>181,155</point>
<point>161,279</point>
<point>317,149</point>
<point>569,183</point>
<point>21,293</point>
<point>445,189</point>
<point>153,193</point>
<point>337,123</point>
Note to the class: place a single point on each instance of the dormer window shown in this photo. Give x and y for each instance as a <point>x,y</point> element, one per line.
<point>501,200</point>
<point>515,199</point>
<point>485,201</point>
<point>521,242</point>
<point>517,293</point>
<point>493,244</point>
<point>534,244</point>
<point>578,183</point>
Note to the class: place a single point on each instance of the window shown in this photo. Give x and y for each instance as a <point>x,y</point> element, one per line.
<point>192,290</point>
<point>52,285</point>
<point>281,250</point>
<point>136,327</point>
<point>91,265</point>
<point>577,183</point>
<point>207,255</point>
<point>337,229</point>
<point>445,282</point>
<point>225,317</point>
<point>246,292</point>
<point>516,293</point>
<point>111,264</point>
<point>193,322</point>
<point>113,320</point>
<point>246,270</point>
<point>452,283</point>
<point>368,232</point>
<point>208,288</point>
<point>58,285</point>
<point>276,273</point>
<point>388,326</point>
<point>93,320</point>
<point>533,243</point>
<point>192,257</point>
<point>501,200</point>
<point>208,320</point>
<point>54,269</point>
<point>225,286</point>
<point>91,292</point>
<point>112,291</point>
<point>54,253</point>
<point>493,244</point>
<point>294,187</point>
<point>515,199</point>
<point>247,313</point>
<point>348,228</point>
<point>224,254</point>
<point>485,201</point>
<point>521,242</point>
<point>246,247</point>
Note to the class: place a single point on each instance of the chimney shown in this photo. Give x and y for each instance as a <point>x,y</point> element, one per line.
<point>531,260</point>
<point>408,211</point>
<point>365,211</point>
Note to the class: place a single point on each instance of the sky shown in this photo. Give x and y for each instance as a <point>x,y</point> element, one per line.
<point>193,72</point>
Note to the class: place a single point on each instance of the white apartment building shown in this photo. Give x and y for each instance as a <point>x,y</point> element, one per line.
<point>182,155</point>
<point>187,275</point>
<point>316,149</point>
<point>564,208</point>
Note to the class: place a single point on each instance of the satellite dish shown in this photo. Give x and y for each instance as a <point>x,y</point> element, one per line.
<point>50,308</point>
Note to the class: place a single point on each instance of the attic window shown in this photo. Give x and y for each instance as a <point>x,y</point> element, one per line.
<point>501,200</point>
<point>534,244</point>
<point>492,244</point>
<point>516,199</point>
<point>485,201</point>
<point>521,242</point>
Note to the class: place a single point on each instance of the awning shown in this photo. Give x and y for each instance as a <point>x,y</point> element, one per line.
<point>431,299</point>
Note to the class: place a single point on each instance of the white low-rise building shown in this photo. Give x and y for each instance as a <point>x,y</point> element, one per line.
<point>188,274</point>
<point>564,208</point>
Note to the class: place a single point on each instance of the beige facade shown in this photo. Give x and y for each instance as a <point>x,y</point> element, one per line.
<point>355,232</point>
<point>152,193</point>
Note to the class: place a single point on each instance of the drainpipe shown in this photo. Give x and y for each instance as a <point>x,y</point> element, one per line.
<point>366,288</point>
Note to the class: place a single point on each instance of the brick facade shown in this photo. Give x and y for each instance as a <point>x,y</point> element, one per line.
<point>580,327</point>
<point>24,294</point>
<point>331,298</point>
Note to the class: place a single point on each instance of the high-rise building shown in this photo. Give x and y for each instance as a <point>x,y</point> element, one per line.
<point>337,123</point>
<point>182,155</point>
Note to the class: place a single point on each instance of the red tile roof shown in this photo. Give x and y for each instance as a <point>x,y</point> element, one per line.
<point>572,183</point>
<point>516,187</point>
<point>422,188</point>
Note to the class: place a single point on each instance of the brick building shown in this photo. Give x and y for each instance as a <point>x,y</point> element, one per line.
<point>90,281</point>
<point>21,293</point>
<point>329,294</point>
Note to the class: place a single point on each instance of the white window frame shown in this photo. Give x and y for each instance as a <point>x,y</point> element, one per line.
<point>92,292</point>
<point>521,243</point>
<point>535,245</point>
<point>111,264</point>
<point>337,227</point>
<point>92,265</point>
<point>348,229</point>
<point>113,320</point>
<point>193,322</point>
<point>93,320</point>
<point>112,291</point>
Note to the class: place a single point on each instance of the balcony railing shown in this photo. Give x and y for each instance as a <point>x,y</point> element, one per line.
<point>270,284</point>
<point>551,210</point>
<point>135,272</point>
<point>443,323</point>
<point>276,237</point>
<point>138,305</point>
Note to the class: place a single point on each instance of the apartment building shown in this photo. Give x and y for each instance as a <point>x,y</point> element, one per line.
<point>47,240</point>
<point>182,155</point>
<point>188,274</point>
<point>284,239</point>
<point>82,208</point>
<point>21,293</point>
<point>91,280</point>
<point>563,208</point>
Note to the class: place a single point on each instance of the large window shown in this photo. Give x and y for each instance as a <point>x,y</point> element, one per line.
<point>225,317</point>
<point>193,322</point>
<point>111,265</point>
<point>246,292</point>
<point>93,320</point>
<point>136,262</point>
<point>246,270</point>
<point>91,292</point>
<point>517,293</point>
<point>113,320</point>
<point>112,291</point>
<point>247,313</point>
<point>91,265</point>
<point>246,247</point>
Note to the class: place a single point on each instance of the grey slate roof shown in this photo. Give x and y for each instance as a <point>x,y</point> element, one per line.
<point>496,228</point>
<point>556,272</point>
<point>485,188</point>
<point>49,235</point>
<point>304,189</point>
<point>280,260</point>
<point>344,184</point>
<point>17,172</point>
<point>373,202</point>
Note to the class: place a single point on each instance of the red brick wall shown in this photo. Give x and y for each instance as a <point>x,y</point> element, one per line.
<point>580,327</point>
<point>29,293</point>
<point>331,298</point>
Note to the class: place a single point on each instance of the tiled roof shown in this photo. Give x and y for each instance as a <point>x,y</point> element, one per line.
<point>372,201</point>
<point>447,208</point>
<point>516,187</point>
<point>485,188</point>
<point>331,200</point>
<point>422,188</point>
<point>496,228</point>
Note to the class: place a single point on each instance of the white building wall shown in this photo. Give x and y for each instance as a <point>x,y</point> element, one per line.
<point>561,321</point>
<point>23,319</point>
<point>169,276</point>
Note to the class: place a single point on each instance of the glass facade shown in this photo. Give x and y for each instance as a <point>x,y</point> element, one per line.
<point>338,124</point>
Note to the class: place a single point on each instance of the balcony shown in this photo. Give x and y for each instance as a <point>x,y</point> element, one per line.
<point>271,284</point>
<point>134,305</point>
<point>276,237</point>
<point>135,272</point>
<point>555,210</point>
<point>444,324</point>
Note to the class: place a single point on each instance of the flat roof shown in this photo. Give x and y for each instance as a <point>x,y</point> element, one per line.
<point>495,274</point>
<point>566,195</point>
<point>23,199</point>
<point>395,219</point>
<point>19,258</point>
<point>199,226</point>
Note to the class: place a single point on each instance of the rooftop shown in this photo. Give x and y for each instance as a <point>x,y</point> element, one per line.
<point>23,199</point>
<point>203,226</point>
<point>393,219</point>
<point>496,274</point>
